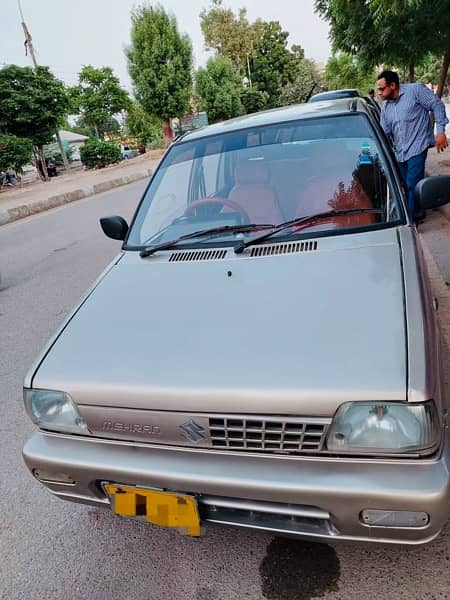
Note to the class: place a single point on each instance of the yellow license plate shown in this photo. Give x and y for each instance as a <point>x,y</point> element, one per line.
<point>165,509</point>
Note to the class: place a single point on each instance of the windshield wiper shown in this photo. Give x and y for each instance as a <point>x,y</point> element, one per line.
<point>147,251</point>
<point>308,220</point>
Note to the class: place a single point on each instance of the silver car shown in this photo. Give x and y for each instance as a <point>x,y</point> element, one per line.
<point>263,352</point>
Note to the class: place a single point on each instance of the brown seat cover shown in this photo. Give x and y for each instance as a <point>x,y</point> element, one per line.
<point>253,192</point>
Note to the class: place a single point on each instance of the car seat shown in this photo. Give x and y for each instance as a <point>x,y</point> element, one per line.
<point>335,186</point>
<point>253,192</point>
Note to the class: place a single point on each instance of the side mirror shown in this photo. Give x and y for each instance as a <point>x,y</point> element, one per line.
<point>114,227</point>
<point>432,192</point>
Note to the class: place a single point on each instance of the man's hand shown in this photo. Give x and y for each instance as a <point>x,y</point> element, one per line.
<point>441,142</point>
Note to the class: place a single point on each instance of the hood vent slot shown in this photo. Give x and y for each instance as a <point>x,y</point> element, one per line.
<point>290,248</point>
<point>196,255</point>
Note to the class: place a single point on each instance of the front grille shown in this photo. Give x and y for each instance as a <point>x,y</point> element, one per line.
<point>279,435</point>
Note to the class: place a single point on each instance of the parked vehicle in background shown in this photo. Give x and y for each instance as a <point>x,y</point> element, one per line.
<point>264,350</point>
<point>335,95</point>
<point>348,93</point>
<point>127,152</point>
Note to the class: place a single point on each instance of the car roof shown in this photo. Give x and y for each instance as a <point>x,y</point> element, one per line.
<point>285,114</point>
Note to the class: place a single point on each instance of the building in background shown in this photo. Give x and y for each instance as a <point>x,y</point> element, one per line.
<point>74,141</point>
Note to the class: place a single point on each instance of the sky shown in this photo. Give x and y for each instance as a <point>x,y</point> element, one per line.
<point>68,34</point>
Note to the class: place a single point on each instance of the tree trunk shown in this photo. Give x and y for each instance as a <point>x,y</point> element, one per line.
<point>443,73</point>
<point>43,170</point>
<point>167,133</point>
<point>412,72</point>
<point>63,151</point>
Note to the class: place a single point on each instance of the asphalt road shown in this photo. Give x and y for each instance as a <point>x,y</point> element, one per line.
<point>51,549</point>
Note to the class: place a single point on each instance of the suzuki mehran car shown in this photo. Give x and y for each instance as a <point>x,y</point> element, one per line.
<point>263,352</point>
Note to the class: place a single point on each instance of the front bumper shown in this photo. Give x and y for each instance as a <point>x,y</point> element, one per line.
<point>313,497</point>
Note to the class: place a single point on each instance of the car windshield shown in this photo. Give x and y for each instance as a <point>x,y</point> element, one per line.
<point>267,176</point>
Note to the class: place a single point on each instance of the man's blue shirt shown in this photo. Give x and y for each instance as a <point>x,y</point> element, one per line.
<point>407,120</point>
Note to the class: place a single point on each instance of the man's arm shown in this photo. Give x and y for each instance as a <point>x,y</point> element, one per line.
<point>384,122</point>
<point>431,102</point>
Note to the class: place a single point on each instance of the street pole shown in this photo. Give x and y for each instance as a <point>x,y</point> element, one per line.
<point>28,38</point>
<point>29,47</point>
<point>249,72</point>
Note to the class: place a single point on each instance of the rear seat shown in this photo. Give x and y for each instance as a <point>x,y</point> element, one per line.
<point>332,185</point>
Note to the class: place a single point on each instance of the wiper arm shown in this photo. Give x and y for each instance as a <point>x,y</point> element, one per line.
<point>204,233</point>
<point>239,248</point>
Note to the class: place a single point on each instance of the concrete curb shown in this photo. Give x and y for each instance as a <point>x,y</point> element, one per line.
<point>25,210</point>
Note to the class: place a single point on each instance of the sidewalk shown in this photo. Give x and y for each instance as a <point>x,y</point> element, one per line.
<point>439,164</point>
<point>17,203</point>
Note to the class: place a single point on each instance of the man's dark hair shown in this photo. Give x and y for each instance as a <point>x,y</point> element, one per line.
<point>371,92</point>
<point>390,77</point>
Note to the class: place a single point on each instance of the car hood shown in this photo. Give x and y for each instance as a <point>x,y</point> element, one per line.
<point>293,333</point>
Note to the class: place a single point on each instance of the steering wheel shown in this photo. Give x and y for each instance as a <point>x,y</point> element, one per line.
<point>222,202</point>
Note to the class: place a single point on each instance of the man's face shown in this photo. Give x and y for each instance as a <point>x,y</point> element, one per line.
<point>386,91</point>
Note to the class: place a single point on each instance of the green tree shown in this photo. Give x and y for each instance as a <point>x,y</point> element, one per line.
<point>98,97</point>
<point>380,8</point>
<point>81,128</point>
<point>398,32</point>
<point>230,35</point>
<point>429,70</point>
<point>33,104</point>
<point>345,71</point>
<point>253,100</point>
<point>15,152</point>
<point>273,65</point>
<point>219,86</point>
<point>257,51</point>
<point>96,153</point>
<point>307,81</point>
<point>435,16</point>
<point>160,65</point>
<point>298,52</point>
<point>144,127</point>
<point>395,38</point>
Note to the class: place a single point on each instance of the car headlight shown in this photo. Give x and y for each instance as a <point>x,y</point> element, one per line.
<point>54,410</point>
<point>387,427</point>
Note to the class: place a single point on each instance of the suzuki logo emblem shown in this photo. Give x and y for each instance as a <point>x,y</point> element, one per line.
<point>193,431</point>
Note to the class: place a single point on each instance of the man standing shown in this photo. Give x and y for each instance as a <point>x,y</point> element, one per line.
<point>405,117</point>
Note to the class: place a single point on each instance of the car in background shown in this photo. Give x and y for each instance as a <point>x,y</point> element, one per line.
<point>334,95</point>
<point>263,352</point>
<point>372,104</point>
<point>127,152</point>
